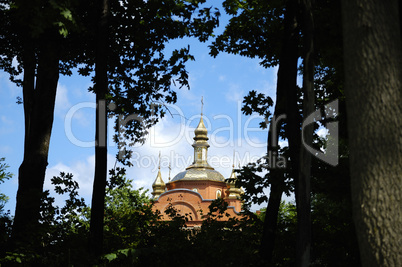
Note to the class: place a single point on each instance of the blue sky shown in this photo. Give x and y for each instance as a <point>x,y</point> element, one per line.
<point>221,81</point>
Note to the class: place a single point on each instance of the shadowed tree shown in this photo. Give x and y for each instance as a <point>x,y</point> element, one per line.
<point>101,90</point>
<point>273,38</point>
<point>280,33</point>
<point>49,38</point>
<point>137,76</point>
<point>373,76</point>
<point>303,179</point>
<point>34,33</point>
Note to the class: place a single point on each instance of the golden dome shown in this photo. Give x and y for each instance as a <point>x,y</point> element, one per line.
<point>158,181</point>
<point>201,132</point>
<point>200,169</point>
<point>199,174</point>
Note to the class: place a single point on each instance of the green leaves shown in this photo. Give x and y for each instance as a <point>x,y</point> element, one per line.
<point>67,21</point>
<point>121,256</point>
<point>66,13</point>
<point>133,234</point>
<point>254,30</point>
<point>4,175</point>
<point>141,72</point>
<point>111,256</point>
<point>258,103</point>
<point>128,213</point>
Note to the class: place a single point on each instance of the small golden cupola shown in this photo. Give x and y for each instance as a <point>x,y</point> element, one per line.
<point>234,192</point>
<point>158,186</point>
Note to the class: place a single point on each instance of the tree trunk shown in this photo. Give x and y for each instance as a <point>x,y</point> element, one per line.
<point>271,218</point>
<point>38,111</point>
<point>302,185</point>
<point>101,88</point>
<point>373,72</point>
<point>286,92</point>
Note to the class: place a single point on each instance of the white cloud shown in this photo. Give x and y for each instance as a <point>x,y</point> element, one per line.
<point>85,116</point>
<point>80,112</point>
<point>81,92</point>
<point>79,122</point>
<point>169,138</point>
<point>62,100</point>
<point>268,88</point>
<point>185,95</point>
<point>235,93</point>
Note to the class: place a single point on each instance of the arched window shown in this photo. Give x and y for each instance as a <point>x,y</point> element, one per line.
<point>218,194</point>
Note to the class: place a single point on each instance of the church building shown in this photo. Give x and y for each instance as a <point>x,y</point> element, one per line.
<point>193,190</point>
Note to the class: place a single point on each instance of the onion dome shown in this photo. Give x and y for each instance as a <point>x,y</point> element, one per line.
<point>201,132</point>
<point>200,169</point>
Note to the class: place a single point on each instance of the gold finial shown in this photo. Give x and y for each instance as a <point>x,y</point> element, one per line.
<point>170,168</point>
<point>159,167</point>
<point>234,157</point>
<point>233,174</point>
<point>202,104</point>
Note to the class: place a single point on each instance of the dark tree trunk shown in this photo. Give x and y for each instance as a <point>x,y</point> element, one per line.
<point>39,104</point>
<point>302,185</point>
<point>373,86</point>
<point>286,100</point>
<point>271,217</point>
<point>101,89</point>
